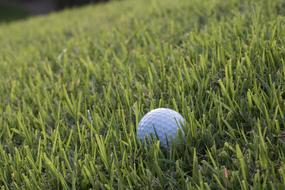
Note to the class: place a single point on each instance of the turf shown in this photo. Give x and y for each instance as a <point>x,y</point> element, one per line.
<point>74,85</point>
<point>10,13</point>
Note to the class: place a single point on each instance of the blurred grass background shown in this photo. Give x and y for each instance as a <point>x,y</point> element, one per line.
<point>11,10</point>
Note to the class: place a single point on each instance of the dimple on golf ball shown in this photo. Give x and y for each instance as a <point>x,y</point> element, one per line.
<point>162,123</point>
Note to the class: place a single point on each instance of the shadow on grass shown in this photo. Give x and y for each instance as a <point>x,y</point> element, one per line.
<point>10,13</point>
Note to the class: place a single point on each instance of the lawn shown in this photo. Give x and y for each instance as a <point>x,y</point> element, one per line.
<point>11,13</point>
<point>75,84</point>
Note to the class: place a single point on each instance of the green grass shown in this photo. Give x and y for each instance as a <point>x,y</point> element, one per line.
<point>74,85</point>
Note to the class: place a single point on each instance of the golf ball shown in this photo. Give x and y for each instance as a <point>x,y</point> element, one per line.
<point>162,123</point>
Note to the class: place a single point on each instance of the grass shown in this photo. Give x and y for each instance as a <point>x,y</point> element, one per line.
<point>74,85</point>
<point>11,12</point>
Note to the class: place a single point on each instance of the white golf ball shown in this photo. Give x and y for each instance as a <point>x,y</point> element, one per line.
<point>162,123</point>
